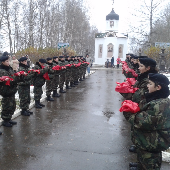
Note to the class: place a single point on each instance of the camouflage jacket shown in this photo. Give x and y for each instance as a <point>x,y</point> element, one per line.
<point>27,79</point>
<point>57,72</point>
<point>151,126</point>
<point>38,79</point>
<point>50,70</point>
<point>6,90</point>
<point>62,63</point>
<point>140,93</point>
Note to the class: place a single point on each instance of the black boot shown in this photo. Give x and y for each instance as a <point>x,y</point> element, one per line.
<point>37,105</point>
<point>42,105</point>
<point>68,87</point>
<point>55,94</point>
<point>72,84</point>
<point>75,83</point>
<point>132,148</point>
<point>62,91</point>
<point>0,133</point>
<point>49,98</point>
<point>133,164</point>
<point>84,77</point>
<point>81,79</point>
<point>133,168</point>
<point>24,112</point>
<point>30,112</point>
<point>12,122</point>
<point>6,123</point>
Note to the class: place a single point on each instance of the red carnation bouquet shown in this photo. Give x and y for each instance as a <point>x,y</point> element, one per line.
<point>127,86</point>
<point>7,79</point>
<point>129,106</point>
<point>68,65</point>
<point>57,67</point>
<point>35,71</point>
<point>20,73</point>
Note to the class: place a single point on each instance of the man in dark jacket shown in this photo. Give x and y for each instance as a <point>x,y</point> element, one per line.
<point>39,81</point>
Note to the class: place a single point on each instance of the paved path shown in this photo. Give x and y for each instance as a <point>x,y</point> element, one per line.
<point>82,130</point>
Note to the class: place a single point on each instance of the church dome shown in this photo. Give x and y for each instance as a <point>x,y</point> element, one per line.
<point>112,16</point>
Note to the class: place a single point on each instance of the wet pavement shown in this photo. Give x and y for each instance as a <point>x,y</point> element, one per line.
<point>81,130</point>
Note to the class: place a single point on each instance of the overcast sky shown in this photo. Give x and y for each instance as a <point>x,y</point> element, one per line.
<point>124,8</point>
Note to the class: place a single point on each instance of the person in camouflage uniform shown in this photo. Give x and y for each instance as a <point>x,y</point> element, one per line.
<point>146,66</point>
<point>56,79</point>
<point>24,87</point>
<point>84,67</point>
<point>39,81</point>
<point>72,72</point>
<point>80,69</point>
<point>62,74</point>
<point>75,71</point>
<point>49,83</point>
<point>151,125</point>
<point>8,92</point>
<point>68,72</point>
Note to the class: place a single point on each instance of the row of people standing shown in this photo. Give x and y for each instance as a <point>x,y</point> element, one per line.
<point>54,71</point>
<point>150,127</point>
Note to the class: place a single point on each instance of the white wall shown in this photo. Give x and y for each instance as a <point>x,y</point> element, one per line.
<point>115,28</point>
<point>105,41</point>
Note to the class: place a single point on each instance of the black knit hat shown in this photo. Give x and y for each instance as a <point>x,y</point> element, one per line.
<point>72,56</point>
<point>5,53</point>
<point>61,56</point>
<point>160,79</point>
<point>147,62</point>
<point>4,58</point>
<point>48,59</point>
<point>55,57</point>
<point>23,59</point>
<point>41,60</point>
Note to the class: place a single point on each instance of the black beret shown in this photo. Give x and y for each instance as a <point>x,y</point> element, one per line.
<point>61,57</point>
<point>23,59</point>
<point>4,58</point>
<point>136,57</point>
<point>48,59</point>
<point>67,57</point>
<point>147,62</point>
<point>5,53</point>
<point>159,78</point>
<point>55,57</point>
<point>81,56</point>
<point>41,60</point>
<point>72,56</point>
<point>143,57</point>
<point>132,55</point>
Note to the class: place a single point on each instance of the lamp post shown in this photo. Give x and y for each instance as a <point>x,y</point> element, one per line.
<point>162,60</point>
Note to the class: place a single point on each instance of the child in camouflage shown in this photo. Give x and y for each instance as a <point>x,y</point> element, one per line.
<point>151,126</point>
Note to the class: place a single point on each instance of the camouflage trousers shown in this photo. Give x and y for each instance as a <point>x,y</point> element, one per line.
<point>62,79</point>
<point>8,107</point>
<point>49,87</point>
<point>37,92</point>
<point>55,82</point>
<point>69,77</point>
<point>24,96</point>
<point>148,160</point>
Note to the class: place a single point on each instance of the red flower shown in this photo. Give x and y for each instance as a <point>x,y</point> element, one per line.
<point>129,106</point>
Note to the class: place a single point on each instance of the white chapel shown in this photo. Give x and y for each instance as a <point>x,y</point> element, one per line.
<point>111,43</point>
